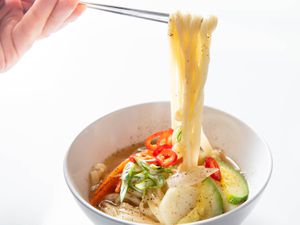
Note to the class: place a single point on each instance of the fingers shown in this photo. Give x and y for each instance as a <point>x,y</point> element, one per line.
<point>8,46</point>
<point>75,14</point>
<point>32,24</point>
<point>42,18</point>
<point>62,11</point>
<point>27,4</point>
<point>13,13</point>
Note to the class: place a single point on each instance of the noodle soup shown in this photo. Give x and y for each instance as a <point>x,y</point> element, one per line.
<point>175,176</point>
<point>214,187</point>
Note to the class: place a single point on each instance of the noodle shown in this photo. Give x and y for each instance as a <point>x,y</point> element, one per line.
<point>190,43</point>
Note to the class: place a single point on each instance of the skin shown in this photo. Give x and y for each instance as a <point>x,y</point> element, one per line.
<point>22,22</point>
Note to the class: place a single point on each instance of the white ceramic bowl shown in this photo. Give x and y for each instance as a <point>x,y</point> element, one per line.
<point>131,125</point>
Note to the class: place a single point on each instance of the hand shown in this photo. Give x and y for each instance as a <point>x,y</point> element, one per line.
<point>22,22</point>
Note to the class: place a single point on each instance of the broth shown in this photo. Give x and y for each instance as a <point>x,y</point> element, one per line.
<point>117,157</point>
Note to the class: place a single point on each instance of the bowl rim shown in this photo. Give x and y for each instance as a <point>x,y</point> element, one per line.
<point>100,213</point>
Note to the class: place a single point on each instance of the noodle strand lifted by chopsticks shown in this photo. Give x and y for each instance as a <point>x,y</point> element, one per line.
<point>190,44</point>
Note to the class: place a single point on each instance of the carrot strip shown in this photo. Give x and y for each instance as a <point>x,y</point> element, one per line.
<point>118,188</point>
<point>109,184</point>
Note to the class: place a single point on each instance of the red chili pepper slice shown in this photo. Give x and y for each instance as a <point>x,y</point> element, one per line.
<point>150,139</point>
<point>146,156</point>
<point>160,148</point>
<point>179,161</point>
<point>165,138</point>
<point>166,157</point>
<point>212,163</point>
<point>159,138</point>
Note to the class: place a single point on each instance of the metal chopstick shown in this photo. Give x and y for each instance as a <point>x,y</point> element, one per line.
<point>138,13</point>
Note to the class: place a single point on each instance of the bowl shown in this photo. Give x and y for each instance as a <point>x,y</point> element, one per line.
<point>133,124</point>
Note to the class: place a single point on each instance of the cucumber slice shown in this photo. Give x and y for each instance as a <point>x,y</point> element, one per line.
<point>209,203</point>
<point>233,184</point>
<point>226,205</point>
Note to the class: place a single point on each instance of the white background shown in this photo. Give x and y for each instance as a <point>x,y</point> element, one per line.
<point>103,62</point>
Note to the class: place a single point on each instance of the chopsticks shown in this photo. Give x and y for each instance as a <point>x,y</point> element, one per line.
<point>138,13</point>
